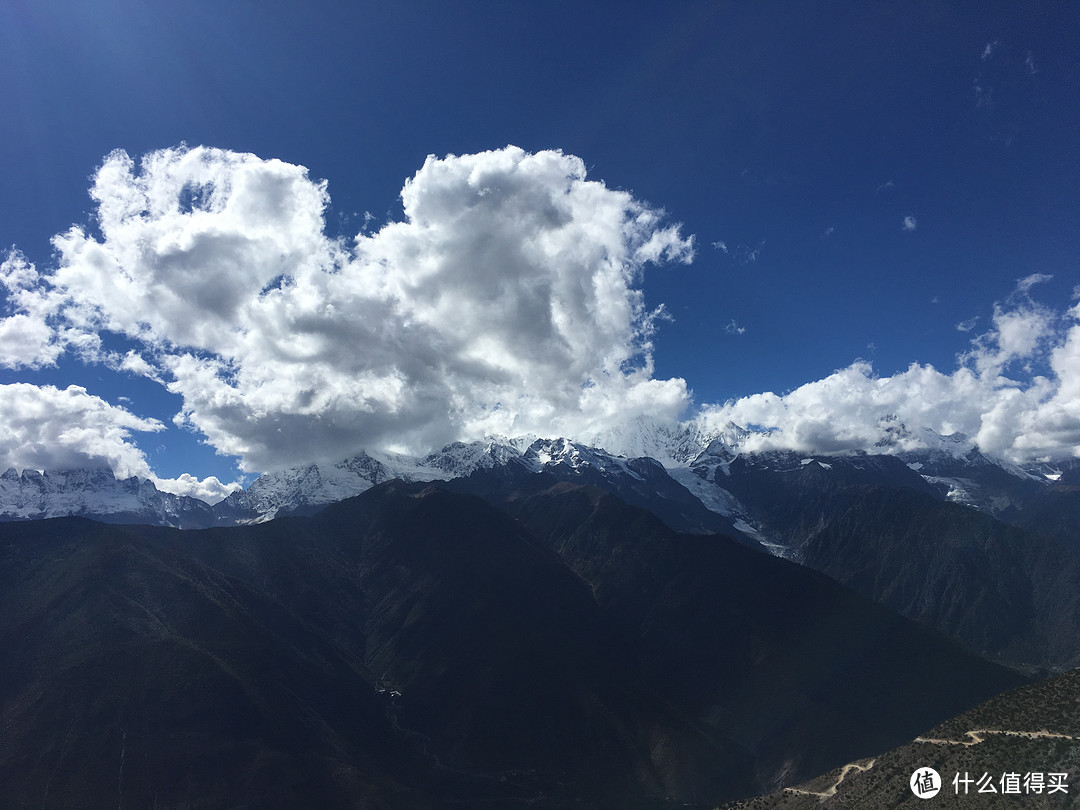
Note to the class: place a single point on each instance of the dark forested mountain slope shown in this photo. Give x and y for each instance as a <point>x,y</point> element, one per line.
<point>408,648</point>
<point>798,669</point>
<point>1003,591</point>
<point>133,674</point>
<point>415,647</point>
<point>1054,512</point>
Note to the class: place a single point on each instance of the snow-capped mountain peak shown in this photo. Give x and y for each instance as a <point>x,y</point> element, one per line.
<point>551,453</point>
<point>94,493</point>
<point>673,444</point>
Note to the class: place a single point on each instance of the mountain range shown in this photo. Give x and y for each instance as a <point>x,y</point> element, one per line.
<point>525,621</point>
<point>650,458</point>
<point>976,547</point>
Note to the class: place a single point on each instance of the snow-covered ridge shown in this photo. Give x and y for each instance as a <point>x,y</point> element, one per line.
<point>645,457</point>
<point>302,489</point>
<point>95,493</point>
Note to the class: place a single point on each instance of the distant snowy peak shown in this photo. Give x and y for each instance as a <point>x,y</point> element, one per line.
<point>950,465</point>
<point>684,444</point>
<point>301,489</point>
<point>457,459</point>
<point>97,494</point>
<point>551,454</point>
<point>673,444</point>
<point>305,489</point>
<point>973,479</point>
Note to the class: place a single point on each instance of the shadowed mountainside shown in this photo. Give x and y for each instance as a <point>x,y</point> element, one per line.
<point>406,648</point>
<point>795,668</point>
<point>414,647</point>
<point>1004,592</point>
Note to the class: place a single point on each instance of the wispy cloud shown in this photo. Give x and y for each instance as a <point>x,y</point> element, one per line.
<point>740,254</point>
<point>988,51</point>
<point>968,325</point>
<point>1025,284</point>
<point>910,223</point>
<point>1029,64</point>
<point>746,254</point>
<point>734,328</point>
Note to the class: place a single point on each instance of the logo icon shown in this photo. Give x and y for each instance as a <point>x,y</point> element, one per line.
<point>925,783</point>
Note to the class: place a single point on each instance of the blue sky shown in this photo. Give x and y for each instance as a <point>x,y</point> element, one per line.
<point>859,179</point>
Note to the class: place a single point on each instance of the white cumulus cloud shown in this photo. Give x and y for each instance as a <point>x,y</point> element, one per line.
<point>44,427</point>
<point>208,489</point>
<point>507,300</point>
<point>47,427</point>
<point>1015,393</point>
